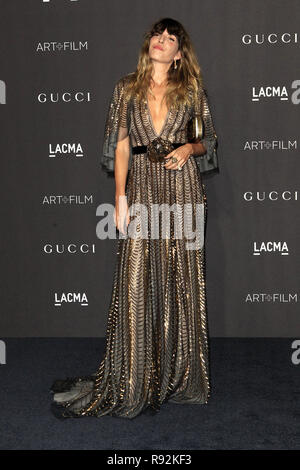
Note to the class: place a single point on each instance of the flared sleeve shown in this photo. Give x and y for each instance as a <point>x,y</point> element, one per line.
<point>117,126</point>
<point>209,160</point>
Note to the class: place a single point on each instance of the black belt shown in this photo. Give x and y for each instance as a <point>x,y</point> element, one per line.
<point>144,148</point>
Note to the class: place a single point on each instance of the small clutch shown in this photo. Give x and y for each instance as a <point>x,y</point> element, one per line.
<point>195,129</point>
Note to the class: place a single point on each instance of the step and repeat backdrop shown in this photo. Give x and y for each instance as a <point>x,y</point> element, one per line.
<point>60,60</point>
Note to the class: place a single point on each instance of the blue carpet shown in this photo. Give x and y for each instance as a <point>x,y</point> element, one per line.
<point>254,401</point>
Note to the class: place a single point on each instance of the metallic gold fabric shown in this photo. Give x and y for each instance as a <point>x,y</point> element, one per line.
<point>157,339</point>
<point>131,118</point>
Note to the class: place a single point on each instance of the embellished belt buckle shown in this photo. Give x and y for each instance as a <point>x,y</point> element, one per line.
<point>158,148</point>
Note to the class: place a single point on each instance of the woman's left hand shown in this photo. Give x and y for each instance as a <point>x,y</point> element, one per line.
<point>182,154</point>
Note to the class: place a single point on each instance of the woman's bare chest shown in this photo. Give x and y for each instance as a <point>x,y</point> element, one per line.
<point>158,110</point>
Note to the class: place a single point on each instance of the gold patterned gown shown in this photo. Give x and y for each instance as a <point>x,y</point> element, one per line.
<point>157,338</point>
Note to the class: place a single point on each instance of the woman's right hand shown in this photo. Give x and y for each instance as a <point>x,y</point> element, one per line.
<point>121,214</point>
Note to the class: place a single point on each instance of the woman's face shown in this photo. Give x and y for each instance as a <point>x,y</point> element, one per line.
<point>163,47</point>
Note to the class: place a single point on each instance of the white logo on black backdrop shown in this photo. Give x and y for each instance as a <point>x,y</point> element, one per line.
<point>70,200</point>
<point>277,92</point>
<point>260,248</point>
<point>71,248</point>
<point>2,92</point>
<point>274,195</point>
<point>66,149</point>
<point>270,38</point>
<point>262,297</point>
<point>271,145</point>
<point>66,97</point>
<point>69,46</point>
<point>70,298</point>
<point>269,92</point>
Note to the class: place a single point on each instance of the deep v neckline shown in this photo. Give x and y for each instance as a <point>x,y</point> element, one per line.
<point>151,120</point>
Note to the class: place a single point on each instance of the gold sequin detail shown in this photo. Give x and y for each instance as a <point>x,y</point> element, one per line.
<point>157,337</point>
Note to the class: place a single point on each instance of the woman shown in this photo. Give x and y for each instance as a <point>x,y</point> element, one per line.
<point>157,340</point>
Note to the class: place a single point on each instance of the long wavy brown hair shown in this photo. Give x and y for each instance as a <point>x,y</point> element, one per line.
<point>183,82</point>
